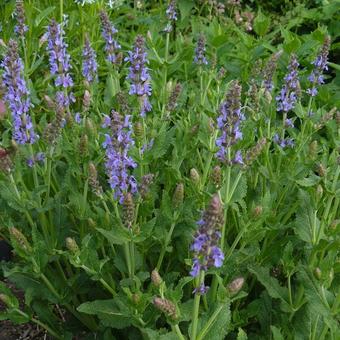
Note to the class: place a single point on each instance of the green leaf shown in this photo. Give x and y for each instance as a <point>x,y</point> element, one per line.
<point>185,7</point>
<point>271,284</point>
<point>276,333</point>
<point>112,87</point>
<point>241,335</point>
<point>116,236</point>
<point>108,312</point>
<point>215,325</point>
<point>261,24</point>
<point>307,224</point>
<point>42,15</point>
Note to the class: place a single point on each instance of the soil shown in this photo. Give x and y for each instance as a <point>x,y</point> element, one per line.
<point>11,331</point>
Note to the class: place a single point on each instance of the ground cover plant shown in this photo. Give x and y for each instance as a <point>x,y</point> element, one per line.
<point>171,170</point>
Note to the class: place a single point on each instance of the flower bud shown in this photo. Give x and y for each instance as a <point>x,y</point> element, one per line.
<point>319,191</point>
<point>236,285</point>
<point>5,161</point>
<point>90,128</point>
<point>146,182</point>
<point>166,306</point>
<point>313,149</point>
<point>317,273</point>
<point>20,239</point>
<point>49,102</point>
<point>257,211</point>
<point>138,130</point>
<point>93,180</point>
<point>194,176</point>
<point>71,245</point>
<point>91,223</point>
<point>83,145</point>
<point>128,210</point>
<point>321,169</point>
<point>177,198</point>
<point>334,224</point>
<point>135,298</point>
<point>216,176</point>
<point>86,101</point>
<point>5,299</point>
<point>156,278</point>
<point>337,118</point>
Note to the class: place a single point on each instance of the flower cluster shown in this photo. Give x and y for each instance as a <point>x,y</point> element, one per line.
<point>59,62</point>
<point>118,162</point>
<point>108,33</point>
<point>200,58</point>
<point>89,62</point>
<point>139,75</point>
<point>289,93</point>
<point>171,14</point>
<point>21,27</point>
<point>229,123</point>
<point>283,142</point>
<point>17,95</point>
<point>320,65</point>
<point>269,71</point>
<point>205,246</point>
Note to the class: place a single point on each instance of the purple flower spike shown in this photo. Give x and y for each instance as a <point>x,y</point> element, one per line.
<point>320,65</point>
<point>59,62</point>
<point>205,245</point>
<point>118,162</point>
<point>89,62</point>
<point>288,96</point>
<point>229,123</point>
<point>139,76</point>
<point>200,58</point>
<point>171,14</point>
<point>17,96</point>
<point>108,33</point>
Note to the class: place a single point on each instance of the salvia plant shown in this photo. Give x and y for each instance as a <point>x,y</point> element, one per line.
<point>170,170</point>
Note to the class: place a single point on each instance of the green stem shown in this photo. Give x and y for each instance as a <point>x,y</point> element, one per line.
<point>176,329</point>
<point>208,325</point>
<point>128,258</point>
<point>196,306</point>
<point>166,243</point>
<point>107,286</point>
<point>38,322</point>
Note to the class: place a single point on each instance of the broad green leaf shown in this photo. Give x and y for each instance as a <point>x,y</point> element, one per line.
<point>116,236</point>
<point>261,24</point>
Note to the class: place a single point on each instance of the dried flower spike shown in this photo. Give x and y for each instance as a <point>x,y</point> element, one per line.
<point>178,195</point>
<point>236,285</point>
<point>93,180</point>
<point>21,27</point>
<point>156,278</point>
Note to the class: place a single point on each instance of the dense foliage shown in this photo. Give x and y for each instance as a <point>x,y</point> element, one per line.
<point>171,170</point>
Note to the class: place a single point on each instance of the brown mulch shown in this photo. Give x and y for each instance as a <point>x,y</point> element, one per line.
<point>27,331</point>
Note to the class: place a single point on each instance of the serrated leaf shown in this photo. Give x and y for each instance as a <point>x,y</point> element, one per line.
<point>108,312</point>
<point>271,284</point>
<point>241,335</point>
<point>116,236</point>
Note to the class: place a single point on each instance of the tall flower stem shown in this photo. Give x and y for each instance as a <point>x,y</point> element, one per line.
<point>165,73</point>
<point>166,243</point>
<point>196,306</point>
<point>28,216</point>
<point>177,330</point>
